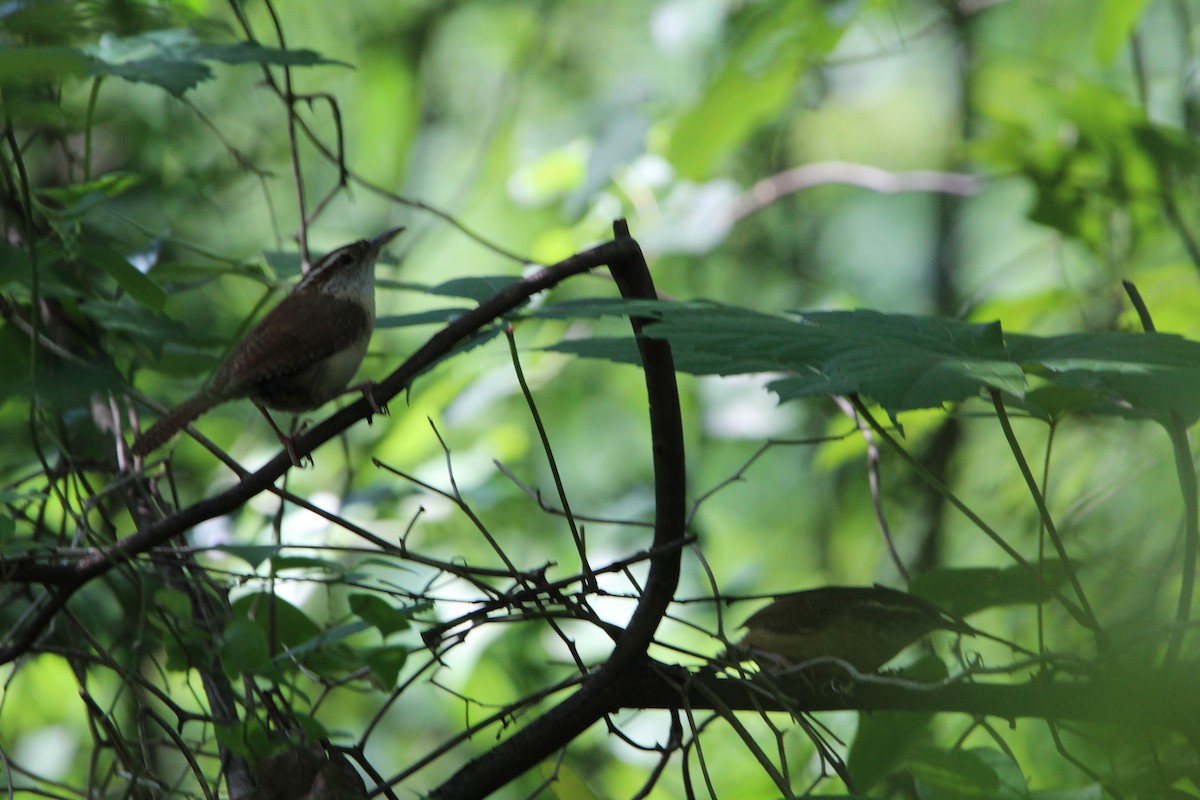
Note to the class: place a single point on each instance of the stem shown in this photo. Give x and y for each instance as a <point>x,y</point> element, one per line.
<point>1091,622</point>
<point>1185,469</point>
<point>580,544</point>
<point>946,492</point>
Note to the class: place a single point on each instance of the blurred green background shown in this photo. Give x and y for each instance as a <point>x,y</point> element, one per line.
<point>977,159</point>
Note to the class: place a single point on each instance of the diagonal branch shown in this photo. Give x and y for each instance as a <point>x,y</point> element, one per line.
<point>63,578</point>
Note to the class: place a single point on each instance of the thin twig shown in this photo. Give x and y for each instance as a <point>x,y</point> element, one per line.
<point>1093,624</point>
<point>945,491</point>
<point>873,484</point>
<point>531,404</point>
<point>1185,470</point>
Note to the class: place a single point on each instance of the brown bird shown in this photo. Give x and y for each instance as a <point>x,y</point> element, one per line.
<point>302,353</point>
<point>864,626</point>
<point>308,773</point>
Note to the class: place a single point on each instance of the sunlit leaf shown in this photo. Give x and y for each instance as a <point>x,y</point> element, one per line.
<point>174,59</point>
<point>1116,20</point>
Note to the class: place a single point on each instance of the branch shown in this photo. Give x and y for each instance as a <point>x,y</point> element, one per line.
<point>797,179</point>
<point>601,691</point>
<point>1156,699</point>
<point>65,578</point>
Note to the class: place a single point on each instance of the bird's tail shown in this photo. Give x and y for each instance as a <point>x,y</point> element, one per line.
<point>173,421</point>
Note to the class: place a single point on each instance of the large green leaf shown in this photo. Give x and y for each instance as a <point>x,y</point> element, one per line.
<point>903,362</point>
<point>907,362</point>
<point>966,590</point>
<point>174,59</point>
<point>379,613</point>
<point>1129,374</point>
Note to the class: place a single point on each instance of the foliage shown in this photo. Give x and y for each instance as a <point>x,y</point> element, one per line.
<point>969,401</point>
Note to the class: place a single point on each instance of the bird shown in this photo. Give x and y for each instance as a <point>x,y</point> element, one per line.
<point>863,626</point>
<point>302,353</point>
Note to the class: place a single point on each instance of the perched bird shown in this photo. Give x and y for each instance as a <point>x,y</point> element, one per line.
<point>307,773</point>
<point>302,353</point>
<point>864,626</point>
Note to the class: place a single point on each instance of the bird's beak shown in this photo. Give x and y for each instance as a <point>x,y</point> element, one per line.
<point>377,244</point>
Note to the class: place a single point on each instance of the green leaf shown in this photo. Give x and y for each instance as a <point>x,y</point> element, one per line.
<point>252,554</point>
<point>248,738</point>
<point>174,603</point>
<point>1091,792</point>
<point>906,362</point>
<point>173,59</point>
<point>71,200</point>
<point>386,663</point>
<point>953,774</point>
<point>1116,22</point>
<point>753,84</point>
<point>255,53</point>
<point>379,613</point>
<point>291,626</point>
<point>173,72</point>
<point>185,646</point>
<point>52,64</point>
<point>594,307</point>
<point>152,330</point>
<point>437,316</point>
<point>1012,781</point>
<point>608,348</point>
<point>327,653</point>
<point>883,740</point>
<point>902,362</point>
<point>967,590</point>
<point>243,648</point>
<point>1128,374</point>
<point>478,288</point>
<point>139,285</point>
<point>567,781</point>
<point>306,562</point>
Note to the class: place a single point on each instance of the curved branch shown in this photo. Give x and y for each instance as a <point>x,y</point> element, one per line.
<point>601,692</point>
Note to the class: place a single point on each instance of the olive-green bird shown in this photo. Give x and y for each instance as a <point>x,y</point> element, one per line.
<point>864,626</point>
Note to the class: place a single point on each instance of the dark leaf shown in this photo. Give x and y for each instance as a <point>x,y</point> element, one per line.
<point>968,590</point>
<point>883,740</point>
<point>379,613</point>
<point>478,289</point>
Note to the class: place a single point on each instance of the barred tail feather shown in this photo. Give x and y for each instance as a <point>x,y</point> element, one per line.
<point>173,421</point>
